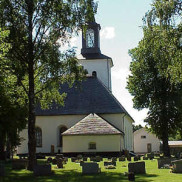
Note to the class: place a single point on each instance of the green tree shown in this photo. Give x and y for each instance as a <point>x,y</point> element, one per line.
<point>12,111</point>
<point>36,28</point>
<point>153,90</point>
<point>137,127</point>
<point>166,15</point>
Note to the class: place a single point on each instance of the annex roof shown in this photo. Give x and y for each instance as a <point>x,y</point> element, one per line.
<point>92,125</point>
<point>90,96</point>
<point>175,143</point>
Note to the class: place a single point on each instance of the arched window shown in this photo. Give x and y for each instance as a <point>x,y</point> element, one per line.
<point>61,130</point>
<point>38,136</point>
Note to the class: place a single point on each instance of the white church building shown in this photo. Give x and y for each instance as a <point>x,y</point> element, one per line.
<point>92,119</point>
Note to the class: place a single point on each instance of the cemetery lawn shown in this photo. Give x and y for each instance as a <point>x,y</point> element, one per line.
<point>72,173</point>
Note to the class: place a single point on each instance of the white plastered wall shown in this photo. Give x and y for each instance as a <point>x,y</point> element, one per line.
<point>104,143</point>
<point>101,66</point>
<point>123,123</point>
<point>50,131</point>
<point>140,145</point>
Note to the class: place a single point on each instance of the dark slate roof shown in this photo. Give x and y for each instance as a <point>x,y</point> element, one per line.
<point>92,125</point>
<point>94,56</point>
<point>91,97</point>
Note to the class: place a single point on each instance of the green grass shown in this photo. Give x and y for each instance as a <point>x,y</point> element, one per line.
<point>72,173</point>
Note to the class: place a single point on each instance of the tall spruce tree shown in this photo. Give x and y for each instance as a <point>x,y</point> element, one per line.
<point>36,29</point>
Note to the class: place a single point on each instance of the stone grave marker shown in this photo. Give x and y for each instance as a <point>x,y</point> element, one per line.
<point>177,166</point>
<point>42,170</point>
<point>19,164</point>
<point>2,170</point>
<point>137,167</point>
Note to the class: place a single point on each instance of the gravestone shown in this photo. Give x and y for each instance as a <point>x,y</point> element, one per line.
<point>85,159</point>
<point>2,170</point>
<point>145,158</point>
<point>114,159</point>
<point>177,166</point>
<point>42,170</point>
<point>90,168</point>
<point>19,164</point>
<point>98,159</point>
<point>59,156</point>
<point>59,163</point>
<point>164,161</point>
<point>49,160</point>
<point>131,176</point>
<point>137,167</point>
<point>122,158</point>
<point>135,158</point>
<point>54,161</point>
<point>73,159</point>
<point>108,163</point>
<point>129,158</point>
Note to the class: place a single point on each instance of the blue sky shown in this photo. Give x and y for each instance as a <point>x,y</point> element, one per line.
<point>121,22</point>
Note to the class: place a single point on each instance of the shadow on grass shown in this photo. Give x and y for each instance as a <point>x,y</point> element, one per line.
<point>70,176</point>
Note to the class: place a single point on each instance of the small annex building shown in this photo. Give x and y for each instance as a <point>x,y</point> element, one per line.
<point>145,141</point>
<point>92,120</point>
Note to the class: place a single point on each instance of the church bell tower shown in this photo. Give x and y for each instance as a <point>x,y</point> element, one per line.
<point>96,63</point>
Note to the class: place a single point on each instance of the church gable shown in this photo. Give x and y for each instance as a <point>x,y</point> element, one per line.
<point>92,125</point>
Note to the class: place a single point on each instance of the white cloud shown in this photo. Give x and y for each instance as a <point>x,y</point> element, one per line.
<point>107,33</point>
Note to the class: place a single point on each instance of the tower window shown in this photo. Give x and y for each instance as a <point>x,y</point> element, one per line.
<point>143,137</point>
<point>38,136</point>
<point>94,73</point>
<point>92,145</point>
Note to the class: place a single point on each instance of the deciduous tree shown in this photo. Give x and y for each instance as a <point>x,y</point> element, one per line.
<point>36,29</point>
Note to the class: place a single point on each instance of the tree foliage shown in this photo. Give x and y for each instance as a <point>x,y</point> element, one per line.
<point>166,15</point>
<point>38,29</point>
<point>151,83</point>
<point>12,110</point>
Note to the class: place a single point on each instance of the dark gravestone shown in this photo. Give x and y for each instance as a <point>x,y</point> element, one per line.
<point>59,163</point>
<point>2,170</point>
<point>73,159</point>
<point>122,158</point>
<point>129,158</point>
<point>108,163</point>
<point>81,163</point>
<point>145,158</point>
<point>54,161</point>
<point>98,159</point>
<point>90,168</point>
<point>40,156</point>
<point>114,159</point>
<point>85,159</point>
<point>49,160</point>
<point>59,156</point>
<point>135,158</point>
<point>137,167</point>
<point>42,170</point>
<point>131,176</point>
<point>19,164</point>
<point>164,161</point>
<point>177,166</point>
